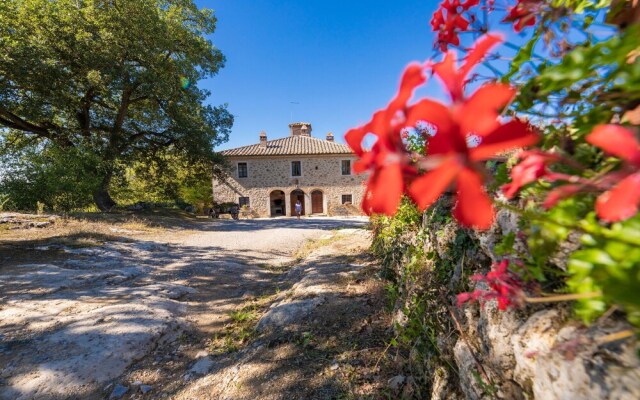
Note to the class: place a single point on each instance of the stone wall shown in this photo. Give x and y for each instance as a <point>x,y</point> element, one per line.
<point>268,174</point>
<point>541,351</point>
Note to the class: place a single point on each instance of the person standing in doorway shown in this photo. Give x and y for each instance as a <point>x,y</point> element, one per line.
<point>298,208</point>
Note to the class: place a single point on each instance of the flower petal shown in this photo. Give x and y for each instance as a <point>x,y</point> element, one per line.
<point>446,71</point>
<point>616,140</point>
<point>479,114</point>
<point>474,208</point>
<point>463,298</point>
<point>509,136</point>
<point>560,193</point>
<point>354,139</point>
<point>384,190</point>
<point>364,163</point>
<point>621,202</point>
<point>480,48</point>
<point>533,166</point>
<point>412,77</point>
<point>438,115</point>
<point>426,189</point>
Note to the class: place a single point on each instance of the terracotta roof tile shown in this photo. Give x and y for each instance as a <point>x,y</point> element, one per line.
<point>292,145</point>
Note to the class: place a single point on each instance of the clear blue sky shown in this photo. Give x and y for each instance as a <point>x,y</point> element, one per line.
<point>340,60</point>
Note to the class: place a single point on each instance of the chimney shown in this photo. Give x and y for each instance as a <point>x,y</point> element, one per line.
<point>329,137</point>
<point>263,139</point>
<point>300,129</point>
<point>304,131</point>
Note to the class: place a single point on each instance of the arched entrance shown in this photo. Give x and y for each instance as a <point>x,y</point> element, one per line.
<point>295,196</point>
<point>317,206</point>
<point>277,203</point>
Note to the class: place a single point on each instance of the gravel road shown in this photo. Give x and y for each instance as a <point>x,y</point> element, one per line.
<point>76,319</point>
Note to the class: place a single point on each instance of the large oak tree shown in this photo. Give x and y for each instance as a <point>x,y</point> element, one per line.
<point>114,79</point>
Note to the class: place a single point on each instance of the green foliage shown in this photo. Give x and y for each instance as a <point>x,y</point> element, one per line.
<point>422,282</point>
<point>390,232</point>
<point>58,178</point>
<point>416,141</point>
<point>239,331</point>
<point>521,58</point>
<point>579,6</point>
<point>589,84</point>
<point>488,389</point>
<point>500,174</point>
<point>609,262</point>
<point>165,179</point>
<point>4,199</point>
<point>505,246</point>
<point>107,79</point>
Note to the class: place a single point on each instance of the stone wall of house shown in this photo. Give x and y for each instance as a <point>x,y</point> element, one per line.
<point>268,174</point>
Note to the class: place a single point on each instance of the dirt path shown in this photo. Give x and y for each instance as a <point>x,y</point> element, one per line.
<point>175,315</point>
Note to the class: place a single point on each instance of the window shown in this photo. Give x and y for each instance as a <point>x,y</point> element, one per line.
<point>242,170</point>
<point>346,167</point>
<point>243,201</point>
<point>296,168</point>
<point>346,199</point>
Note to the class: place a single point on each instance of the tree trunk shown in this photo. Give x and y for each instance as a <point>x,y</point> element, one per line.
<point>101,196</point>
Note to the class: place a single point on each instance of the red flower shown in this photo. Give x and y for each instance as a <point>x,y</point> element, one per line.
<point>522,15</point>
<point>450,159</point>
<point>456,161</point>
<point>453,23</point>
<point>505,287</point>
<point>621,188</point>
<point>616,140</point>
<point>532,167</point>
<point>561,193</point>
<point>621,202</point>
<point>388,157</point>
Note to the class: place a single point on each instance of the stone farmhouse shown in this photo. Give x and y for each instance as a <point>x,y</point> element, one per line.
<point>270,176</point>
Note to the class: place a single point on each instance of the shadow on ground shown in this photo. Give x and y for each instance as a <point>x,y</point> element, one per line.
<point>77,318</point>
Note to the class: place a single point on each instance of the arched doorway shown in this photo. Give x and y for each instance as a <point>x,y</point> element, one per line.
<point>317,206</point>
<point>277,203</point>
<point>295,196</point>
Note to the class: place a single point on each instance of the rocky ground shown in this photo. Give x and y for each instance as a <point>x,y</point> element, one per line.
<point>203,309</point>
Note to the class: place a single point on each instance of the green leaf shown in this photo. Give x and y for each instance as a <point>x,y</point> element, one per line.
<point>523,55</point>
<point>506,244</point>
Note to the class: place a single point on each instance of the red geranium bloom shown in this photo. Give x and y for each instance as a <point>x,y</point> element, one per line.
<point>621,202</point>
<point>532,167</point>
<point>561,193</point>
<point>450,25</point>
<point>456,161</point>
<point>388,157</point>
<point>505,287</point>
<point>522,15</point>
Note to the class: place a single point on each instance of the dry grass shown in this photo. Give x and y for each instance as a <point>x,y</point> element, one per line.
<point>311,245</point>
<point>241,327</point>
<point>90,229</point>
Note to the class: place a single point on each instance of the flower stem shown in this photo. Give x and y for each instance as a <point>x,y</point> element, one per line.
<point>612,337</point>
<point>563,297</point>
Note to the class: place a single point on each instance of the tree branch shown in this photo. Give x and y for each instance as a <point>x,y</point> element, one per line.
<point>84,116</point>
<point>11,120</point>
